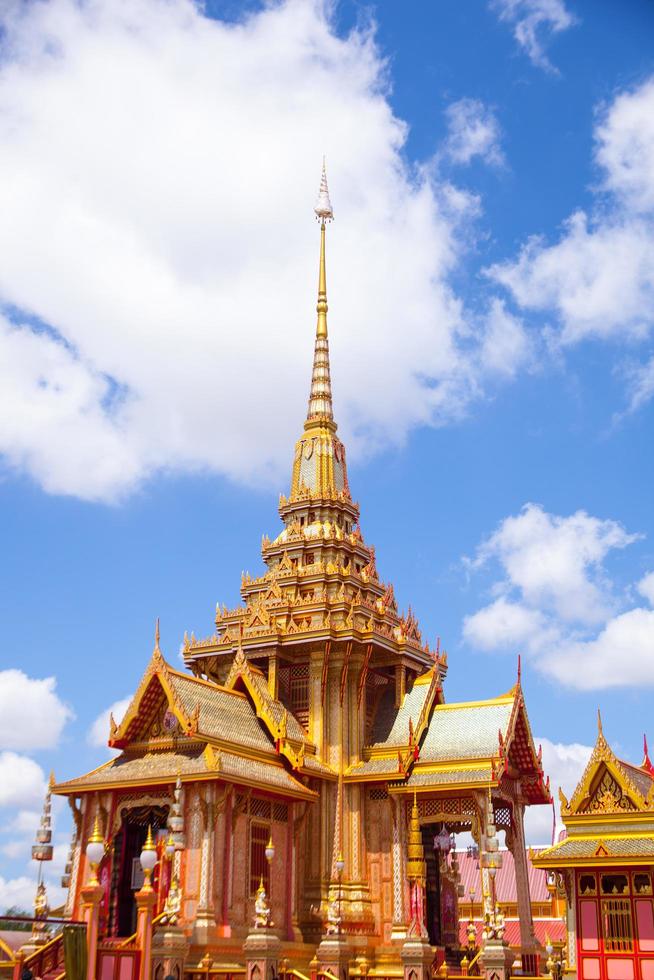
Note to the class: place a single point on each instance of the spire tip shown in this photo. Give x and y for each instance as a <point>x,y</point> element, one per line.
<point>323,209</point>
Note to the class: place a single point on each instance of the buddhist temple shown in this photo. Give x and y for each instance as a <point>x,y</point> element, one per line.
<point>604,868</point>
<point>305,768</point>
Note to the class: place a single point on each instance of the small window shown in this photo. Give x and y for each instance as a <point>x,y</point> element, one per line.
<point>309,558</point>
<point>615,885</point>
<point>616,923</point>
<point>587,884</point>
<point>642,883</point>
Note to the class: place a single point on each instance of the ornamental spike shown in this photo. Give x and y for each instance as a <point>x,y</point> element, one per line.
<point>323,208</point>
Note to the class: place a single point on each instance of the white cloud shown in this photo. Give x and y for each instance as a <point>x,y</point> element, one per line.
<point>534,22</point>
<point>646,587</point>
<point>555,562</point>
<point>502,625</point>
<point>22,781</point>
<point>31,714</point>
<point>98,733</point>
<point>19,892</point>
<point>597,280</point>
<point>621,655</point>
<point>564,764</point>
<point>625,147</point>
<point>157,175</point>
<point>506,346</point>
<point>555,601</point>
<point>473,130</point>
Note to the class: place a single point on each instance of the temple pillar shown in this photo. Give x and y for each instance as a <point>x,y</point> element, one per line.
<point>146,900</point>
<point>273,676</point>
<point>497,959</point>
<point>417,955</point>
<point>170,948</point>
<point>261,948</point>
<point>400,684</point>
<point>417,958</point>
<point>91,897</point>
<point>516,844</point>
<point>227,870</point>
<point>334,955</point>
<point>204,930</point>
<point>398,845</point>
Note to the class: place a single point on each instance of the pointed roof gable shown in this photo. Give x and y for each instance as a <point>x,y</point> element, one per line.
<point>609,786</point>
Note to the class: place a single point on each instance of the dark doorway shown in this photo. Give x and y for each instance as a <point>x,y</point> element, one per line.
<point>134,831</point>
<point>432,885</point>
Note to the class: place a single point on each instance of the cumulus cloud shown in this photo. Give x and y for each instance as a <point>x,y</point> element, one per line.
<point>534,22</point>
<point>473,131</point>
<point>646,587</point>
<point>22,781</point>
<point>555,563</point>
<point>32,715</point>
<point>158,251</point>
<point>555,601</point>
<point>564,764</point>
<point>19,893</point>
<point>597,280</point>
<point>98,733</point>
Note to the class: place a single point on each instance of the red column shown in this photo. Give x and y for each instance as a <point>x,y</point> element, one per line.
<point>145,902</point>
<point>91,898</point>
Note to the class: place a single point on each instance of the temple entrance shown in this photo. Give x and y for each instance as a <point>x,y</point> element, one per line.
<point>442,888</point>
<point>128,874</point>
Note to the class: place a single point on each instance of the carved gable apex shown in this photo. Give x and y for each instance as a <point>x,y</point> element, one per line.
<point>152,714</point>
<point>605,786</point>
<point>258,614</point>
<point>608,795</point>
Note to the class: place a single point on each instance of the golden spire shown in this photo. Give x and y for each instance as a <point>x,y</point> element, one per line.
<point>320,396</point>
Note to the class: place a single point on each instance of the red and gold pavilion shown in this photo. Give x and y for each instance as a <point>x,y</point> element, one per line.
<point>604,868</point>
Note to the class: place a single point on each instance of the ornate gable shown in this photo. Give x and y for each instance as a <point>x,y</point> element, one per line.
<point>607,786</point>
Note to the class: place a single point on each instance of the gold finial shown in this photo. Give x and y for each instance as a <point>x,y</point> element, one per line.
<point>156,635</point>
<point>599,723</point>
<point>320,397</point>
<point>96,835</point>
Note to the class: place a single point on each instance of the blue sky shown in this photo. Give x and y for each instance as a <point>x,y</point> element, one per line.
<point>491,282</point>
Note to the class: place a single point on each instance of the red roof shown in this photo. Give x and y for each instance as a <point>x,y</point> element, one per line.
<point>505,887</point>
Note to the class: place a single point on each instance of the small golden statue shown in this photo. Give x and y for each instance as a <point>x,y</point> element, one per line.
<point>173,903</point>
<point>334,918</point>
<point>41,906</point>
<point>262,912</point>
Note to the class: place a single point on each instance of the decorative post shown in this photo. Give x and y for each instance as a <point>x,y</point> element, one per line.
<point>497,956</point>
<point>262,946</point>
<point>41,851</point>
<point>91,897</point>
<point>169,944</point>
<point>417,954</point>
<point>145,902</point>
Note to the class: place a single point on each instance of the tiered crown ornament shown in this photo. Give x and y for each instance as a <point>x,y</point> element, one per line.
<point>42,847</point>
<point>491,857</point>
<point>176,818</point>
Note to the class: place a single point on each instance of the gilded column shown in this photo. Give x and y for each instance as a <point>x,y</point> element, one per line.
<point>205,918</point>
<point>399,866</point>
